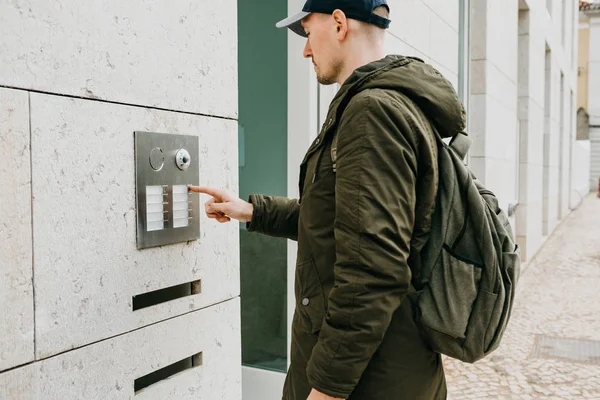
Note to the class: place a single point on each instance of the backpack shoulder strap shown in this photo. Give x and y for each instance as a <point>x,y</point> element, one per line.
<point>461,144</point>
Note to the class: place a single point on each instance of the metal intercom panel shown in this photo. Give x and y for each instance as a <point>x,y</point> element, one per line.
<point>164,167</point>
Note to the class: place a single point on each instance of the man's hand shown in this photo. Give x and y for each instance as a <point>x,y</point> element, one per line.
<point>316,395</point>
<point>224,206</point>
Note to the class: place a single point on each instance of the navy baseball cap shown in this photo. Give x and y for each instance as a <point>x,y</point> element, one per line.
<point>361,10</point>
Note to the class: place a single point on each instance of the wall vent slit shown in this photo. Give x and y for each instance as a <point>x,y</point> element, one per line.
<point>167,372</point>
<point>160,296</point>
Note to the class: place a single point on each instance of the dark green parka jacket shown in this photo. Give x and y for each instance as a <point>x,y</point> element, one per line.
<point>360,223</point>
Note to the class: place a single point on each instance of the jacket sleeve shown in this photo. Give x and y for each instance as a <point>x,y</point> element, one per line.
<point>375,203</point>
<point>274,216</point>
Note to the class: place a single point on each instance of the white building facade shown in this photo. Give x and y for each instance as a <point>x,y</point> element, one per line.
<point>588,110</point>
<point>522,111</point>
<point>78,78</point>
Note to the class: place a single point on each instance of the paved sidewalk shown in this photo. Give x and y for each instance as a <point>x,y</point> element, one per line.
<point>558,300</point>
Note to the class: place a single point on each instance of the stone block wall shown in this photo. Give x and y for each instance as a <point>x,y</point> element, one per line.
<point>76,80</point>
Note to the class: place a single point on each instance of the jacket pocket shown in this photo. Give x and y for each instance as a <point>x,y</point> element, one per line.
<point>310,296</point>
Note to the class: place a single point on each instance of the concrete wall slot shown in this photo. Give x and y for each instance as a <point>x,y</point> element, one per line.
<point>165,165</point>
<point>145,381</point>
<point>161,296</point>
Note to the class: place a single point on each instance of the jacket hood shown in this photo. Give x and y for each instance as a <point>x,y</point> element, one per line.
<point>420,82</point>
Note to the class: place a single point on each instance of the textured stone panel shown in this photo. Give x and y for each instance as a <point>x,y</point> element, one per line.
<point>16,289</point>
<point>500,86</point>
<point>87,265</point>
<point>502,36</point>
<point>411,23</point>
<point>108,369</point>
<point>447,10</point>
<point>179,55</point>
<point>477,77</point>
<point>478,124</point>
<point>478,43</point>
<point>444,44</point>
<point>393,45</point>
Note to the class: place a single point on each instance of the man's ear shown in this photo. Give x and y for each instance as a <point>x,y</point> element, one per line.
<point>341,24</point>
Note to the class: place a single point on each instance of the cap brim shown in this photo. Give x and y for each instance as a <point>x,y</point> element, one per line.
<point>294,23</point>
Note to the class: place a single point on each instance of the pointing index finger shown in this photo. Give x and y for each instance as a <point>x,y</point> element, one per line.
<point>206,190</point>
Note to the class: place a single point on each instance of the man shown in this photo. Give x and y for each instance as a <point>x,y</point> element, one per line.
<point>367,193</point>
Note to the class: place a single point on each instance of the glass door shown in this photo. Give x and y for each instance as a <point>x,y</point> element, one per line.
<point>281,109</point>
<point>262,66</point>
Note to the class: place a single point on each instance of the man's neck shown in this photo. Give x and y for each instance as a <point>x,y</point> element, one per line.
<point>357,60</point>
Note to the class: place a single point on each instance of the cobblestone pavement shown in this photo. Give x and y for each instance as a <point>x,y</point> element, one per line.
<point>559,297</point>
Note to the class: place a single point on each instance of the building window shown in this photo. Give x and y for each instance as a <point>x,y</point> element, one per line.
<point>583,125</point>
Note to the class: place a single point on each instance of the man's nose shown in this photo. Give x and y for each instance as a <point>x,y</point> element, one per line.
<point>307,50</point>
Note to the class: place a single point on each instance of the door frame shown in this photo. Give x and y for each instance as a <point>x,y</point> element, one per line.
<point>307,105</point>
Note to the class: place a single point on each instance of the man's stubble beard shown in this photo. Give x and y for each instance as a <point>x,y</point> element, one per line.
<point>333,75</point>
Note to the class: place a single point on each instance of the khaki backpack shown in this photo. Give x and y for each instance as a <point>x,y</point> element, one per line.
<point>470,265</point>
